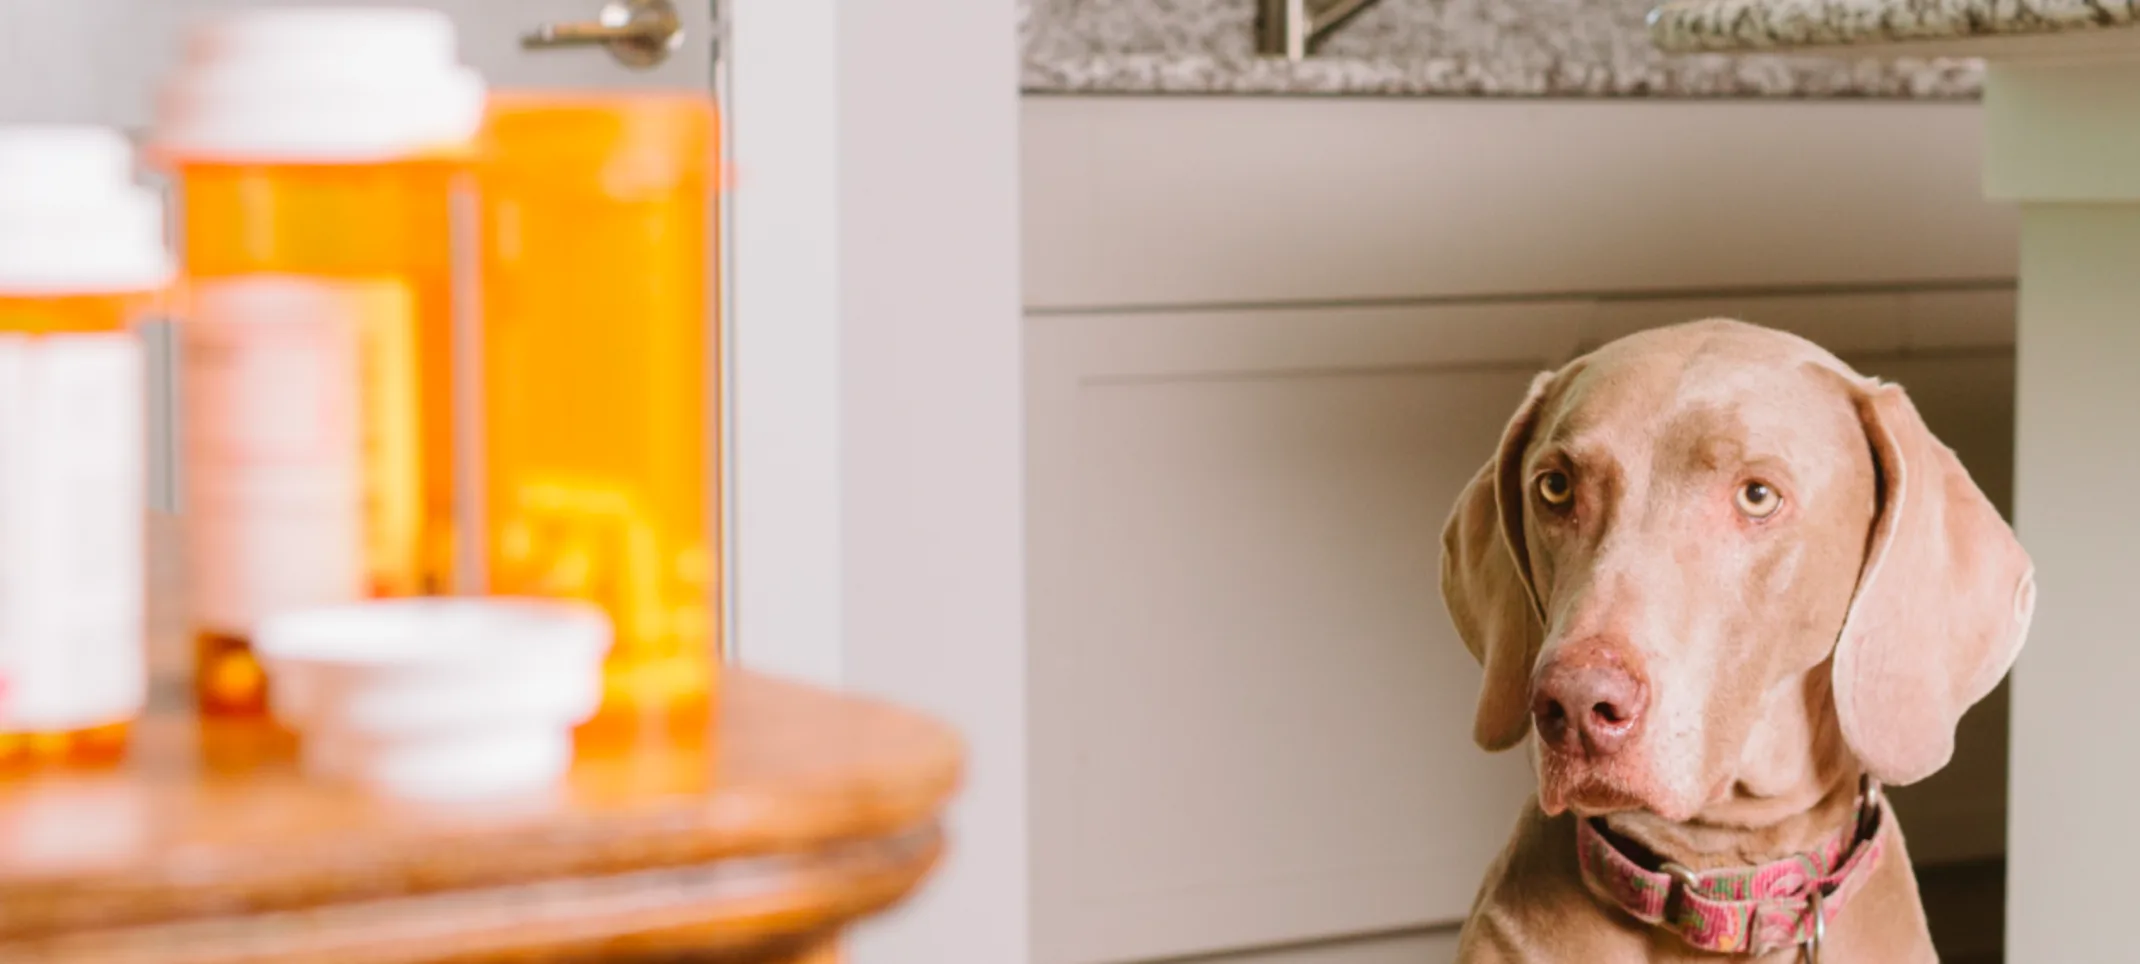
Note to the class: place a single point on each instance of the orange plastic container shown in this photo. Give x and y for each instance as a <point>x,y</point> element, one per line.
<point>318,155</point>
<point>81,261</point>
<point>369,245</point>
<point>599,387</point>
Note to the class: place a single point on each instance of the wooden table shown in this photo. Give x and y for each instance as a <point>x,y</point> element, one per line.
<point>806,812</point>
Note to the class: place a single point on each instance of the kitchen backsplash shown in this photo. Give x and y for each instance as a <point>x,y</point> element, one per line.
<point>1491,48</point>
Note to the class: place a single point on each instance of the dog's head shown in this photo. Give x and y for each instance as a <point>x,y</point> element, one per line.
<point>1705,553</point>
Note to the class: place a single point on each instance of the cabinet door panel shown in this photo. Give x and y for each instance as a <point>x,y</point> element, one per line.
<point>1251,717</point>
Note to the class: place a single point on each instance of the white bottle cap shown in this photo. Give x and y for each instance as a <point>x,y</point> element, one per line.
<point>72,218</point>
<point>319,85</point>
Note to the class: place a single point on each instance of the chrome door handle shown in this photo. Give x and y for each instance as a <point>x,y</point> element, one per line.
<point>638,33</point>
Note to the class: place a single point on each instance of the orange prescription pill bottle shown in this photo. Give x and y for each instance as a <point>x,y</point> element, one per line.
<point>82,258</point>
<point>316,154</point>
<point>598,387</point>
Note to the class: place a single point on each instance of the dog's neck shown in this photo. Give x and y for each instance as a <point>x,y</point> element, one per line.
<point>1725,837</point>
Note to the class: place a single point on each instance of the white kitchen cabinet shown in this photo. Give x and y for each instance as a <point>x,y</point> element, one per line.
<point>1250,716</point>
<point>1268,339</point>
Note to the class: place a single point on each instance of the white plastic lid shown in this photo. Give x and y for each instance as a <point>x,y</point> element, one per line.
<point>72,217</point>
<point>438,632</point>
<point>319,84</point>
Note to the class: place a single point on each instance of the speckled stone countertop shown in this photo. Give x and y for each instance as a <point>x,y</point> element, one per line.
<point>1697,25</point>
<point>1479,48</point>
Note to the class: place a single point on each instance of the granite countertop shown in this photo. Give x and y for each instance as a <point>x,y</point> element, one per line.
<point>1711,25</point>
<point>1474,48</point>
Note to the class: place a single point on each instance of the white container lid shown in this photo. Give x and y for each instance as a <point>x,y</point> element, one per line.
<point>437,698</point>
<point>319,85</point>
<point>73,220</point>
<point>437,633</point>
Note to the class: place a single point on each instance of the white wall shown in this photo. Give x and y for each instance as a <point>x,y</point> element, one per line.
<point>878,454</point>
<point>932,433</point>
<point>68,61</point>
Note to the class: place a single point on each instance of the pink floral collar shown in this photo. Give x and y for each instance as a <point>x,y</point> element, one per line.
<point>1738,910</point>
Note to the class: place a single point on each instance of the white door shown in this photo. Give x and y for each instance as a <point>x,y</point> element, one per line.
<point>97,61</point>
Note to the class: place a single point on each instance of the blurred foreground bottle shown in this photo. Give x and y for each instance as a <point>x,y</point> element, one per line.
<point>82,260</point>
<point>317,155</point>
<point>598,387</point>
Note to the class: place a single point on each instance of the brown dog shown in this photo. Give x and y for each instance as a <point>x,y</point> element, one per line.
<point>1732,586</point>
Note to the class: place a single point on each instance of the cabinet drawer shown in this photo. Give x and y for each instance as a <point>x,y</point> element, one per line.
<point>1232,201</point>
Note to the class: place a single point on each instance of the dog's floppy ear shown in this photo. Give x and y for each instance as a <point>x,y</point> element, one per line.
<point>1942,604</point>
<point>1486,582</point>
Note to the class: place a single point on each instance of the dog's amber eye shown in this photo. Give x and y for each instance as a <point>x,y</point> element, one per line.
<point>1758,500</point>
<point>1555,488</point>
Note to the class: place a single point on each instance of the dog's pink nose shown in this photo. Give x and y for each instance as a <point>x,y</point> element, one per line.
<point>1588,701</point>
